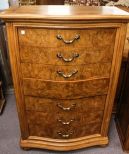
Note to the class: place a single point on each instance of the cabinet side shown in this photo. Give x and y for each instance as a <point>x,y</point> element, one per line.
<point>13,48</point>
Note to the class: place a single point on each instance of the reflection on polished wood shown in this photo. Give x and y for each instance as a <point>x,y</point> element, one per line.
<point>64,13</point>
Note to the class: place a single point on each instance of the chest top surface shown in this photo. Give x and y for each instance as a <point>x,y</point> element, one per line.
<point>61,12</point>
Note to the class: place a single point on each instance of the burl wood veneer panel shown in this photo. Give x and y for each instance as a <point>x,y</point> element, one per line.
<point>47,125</point>
<point>57,73</point>
<point>43,39</point>
<point>31,54</point>
<point>98,37</point>
<point>65,90</point>
<point>76,105</point>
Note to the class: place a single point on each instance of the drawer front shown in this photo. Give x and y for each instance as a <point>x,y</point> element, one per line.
<point>94,45</point>
<point>98,37</point>
<point>47,125</point>
<point>65,90</point>
<point>60,73</point>
<point>42,55</point>
<point>65,106</point>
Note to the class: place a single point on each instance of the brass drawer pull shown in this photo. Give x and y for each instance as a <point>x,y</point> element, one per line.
<point>75,55</point>
<point>68,41</point>
<point>65,123</point>
<point>65,135</point>
<point>66,108</point>
<point>67,75</point>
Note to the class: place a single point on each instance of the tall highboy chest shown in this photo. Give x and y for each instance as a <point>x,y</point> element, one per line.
<point>65,63</point>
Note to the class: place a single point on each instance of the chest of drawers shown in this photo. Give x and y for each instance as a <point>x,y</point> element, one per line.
<point>65,63</point>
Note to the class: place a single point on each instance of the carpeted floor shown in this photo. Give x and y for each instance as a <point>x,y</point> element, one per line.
<point>10,135</point>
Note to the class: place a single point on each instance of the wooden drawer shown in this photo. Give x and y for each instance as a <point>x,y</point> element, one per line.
<point>42,55</point>
<point>64,106</point>
<point>47,125</point>
<point>60,73</point>
<point>65,90</point>
<point>94,45</point>
<point>98,37</point>
<point>47,119</point>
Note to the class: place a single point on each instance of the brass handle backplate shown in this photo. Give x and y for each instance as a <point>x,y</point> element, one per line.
<point>59,37</point>
<point>66,108</point>
<point>67,75</point>
<point>65,135</point>
<point>65,122</point>
<point>75,55</point>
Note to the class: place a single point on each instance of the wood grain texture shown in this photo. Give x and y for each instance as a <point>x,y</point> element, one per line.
<point>47,125</point>
<point>65,90</point>
<point>31,54</point>
<point>126,47</point>
<point>50,105</point>
<point>118,49</point>
<point>96,38</point>
<point>66,13</point>
<point>44,122</point>
<point>17,80</point>
<point>64,145</point>
<point>102,35</point>
<point>51,72</point>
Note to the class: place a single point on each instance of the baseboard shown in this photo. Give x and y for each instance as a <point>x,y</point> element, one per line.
<point>63,145</point>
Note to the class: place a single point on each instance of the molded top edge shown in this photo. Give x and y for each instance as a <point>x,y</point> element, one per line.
<point>62,12</point>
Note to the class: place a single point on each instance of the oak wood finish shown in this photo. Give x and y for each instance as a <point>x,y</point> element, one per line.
<point>62,13</point>
<point>43,96</point>
<point>92,115</point>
